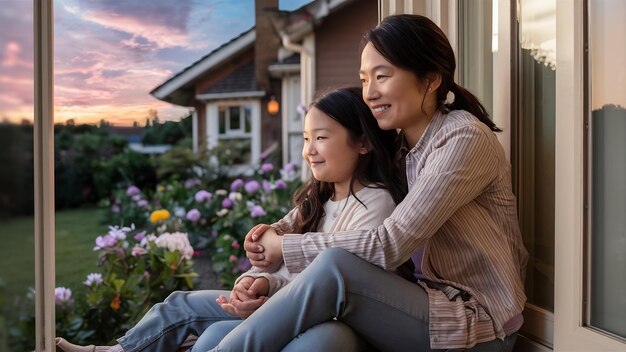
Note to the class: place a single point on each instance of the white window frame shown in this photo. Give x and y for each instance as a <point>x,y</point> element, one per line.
<point>212,128</point>
<point>570,333</point>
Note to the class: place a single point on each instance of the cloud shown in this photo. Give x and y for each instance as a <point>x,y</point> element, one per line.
<point>12,56</point>
<point>151,26</point>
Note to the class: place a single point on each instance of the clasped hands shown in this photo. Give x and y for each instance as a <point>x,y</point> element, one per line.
<point>264,249</point>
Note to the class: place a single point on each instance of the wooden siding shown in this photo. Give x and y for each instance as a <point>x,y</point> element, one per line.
<point>337,43</point>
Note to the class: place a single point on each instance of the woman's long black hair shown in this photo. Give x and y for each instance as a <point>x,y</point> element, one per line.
<point>346,106</point>
<point>417,44</point>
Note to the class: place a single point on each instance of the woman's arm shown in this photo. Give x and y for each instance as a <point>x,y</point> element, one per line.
<point>460,166</point>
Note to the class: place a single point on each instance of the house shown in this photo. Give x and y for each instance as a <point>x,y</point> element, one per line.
<point>284,59</point>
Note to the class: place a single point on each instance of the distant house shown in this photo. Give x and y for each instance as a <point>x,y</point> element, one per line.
<point>134,136</point>
<point>286,57</point>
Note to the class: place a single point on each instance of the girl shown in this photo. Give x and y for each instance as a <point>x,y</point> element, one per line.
<point>350,190</point>
<point>457,225</point>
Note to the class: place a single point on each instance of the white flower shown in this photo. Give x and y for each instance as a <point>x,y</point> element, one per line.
<point>235,196</point>
<point>222,212</point>
<point>176,241</point>
<point>93,278</point>
<point>221,192</point>
<point>149,238</point>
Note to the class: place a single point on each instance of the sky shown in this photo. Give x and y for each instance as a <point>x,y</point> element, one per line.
<point>109,54</point>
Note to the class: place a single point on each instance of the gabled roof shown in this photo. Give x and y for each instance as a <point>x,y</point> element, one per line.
<point>171,90</point>
<point>179,89</point>
<point>238,84</point>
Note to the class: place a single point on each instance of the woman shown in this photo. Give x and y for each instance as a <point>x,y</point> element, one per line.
<point>457,224</point>
<point>349,190</point>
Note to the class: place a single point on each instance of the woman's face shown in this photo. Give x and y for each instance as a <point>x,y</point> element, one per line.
<point>393,94</point>
<point>328,149</point>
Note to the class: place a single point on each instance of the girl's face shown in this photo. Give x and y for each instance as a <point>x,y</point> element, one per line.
<point>393,94</point>
<point>329,150</point>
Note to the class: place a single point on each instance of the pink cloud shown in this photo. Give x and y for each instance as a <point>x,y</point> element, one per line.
<point>12,57</point>
<point>156,35</point>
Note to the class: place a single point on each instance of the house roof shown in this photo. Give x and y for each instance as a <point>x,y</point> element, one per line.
<point>238,84</point>
<point>179,89</point>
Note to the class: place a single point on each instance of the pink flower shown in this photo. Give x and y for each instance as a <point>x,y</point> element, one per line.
<point>237,184</point>
<point>235,245</point>
<point>138,251</point>
<point>232,258</point>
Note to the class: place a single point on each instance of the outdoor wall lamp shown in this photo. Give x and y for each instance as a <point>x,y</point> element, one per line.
<point>272,106</point>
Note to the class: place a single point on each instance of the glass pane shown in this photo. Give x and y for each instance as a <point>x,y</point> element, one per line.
<point>234,118</point>
<point>536,116</point>
<point>476,34</point>
<point>608,163</point>
<point>222,120</point>
<point>247,113</point>
<point>17,264</point>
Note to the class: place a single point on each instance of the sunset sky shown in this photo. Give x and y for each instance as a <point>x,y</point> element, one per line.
<point>109,54</point>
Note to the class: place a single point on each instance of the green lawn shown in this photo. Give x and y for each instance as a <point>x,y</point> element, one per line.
<point>76,231</point>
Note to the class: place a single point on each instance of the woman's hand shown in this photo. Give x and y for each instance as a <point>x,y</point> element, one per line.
<point>254,251</point>
<point>247,296</point>
<point>272,244</point>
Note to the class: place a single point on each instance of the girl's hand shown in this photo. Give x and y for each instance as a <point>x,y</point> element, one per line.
<point>247,296</point>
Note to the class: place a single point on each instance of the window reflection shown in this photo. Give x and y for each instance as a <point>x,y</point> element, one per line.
<point>17,276</point>
<point>607,286</point>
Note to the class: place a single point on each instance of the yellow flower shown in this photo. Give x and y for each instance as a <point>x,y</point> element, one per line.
<point>160,189</point>
<point>159,215</point>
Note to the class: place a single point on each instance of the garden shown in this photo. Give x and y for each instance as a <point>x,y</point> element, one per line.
<point>150,231</point>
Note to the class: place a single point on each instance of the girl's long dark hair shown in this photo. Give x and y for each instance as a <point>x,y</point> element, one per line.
<point>417,44</point>
<point>377,167</point>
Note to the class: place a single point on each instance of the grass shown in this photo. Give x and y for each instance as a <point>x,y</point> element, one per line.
<point>76,231</point>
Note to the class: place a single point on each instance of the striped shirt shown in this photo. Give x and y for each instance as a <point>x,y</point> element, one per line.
<point>460,209</point>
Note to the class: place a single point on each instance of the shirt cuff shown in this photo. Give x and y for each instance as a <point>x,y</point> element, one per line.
<point>293,255</point>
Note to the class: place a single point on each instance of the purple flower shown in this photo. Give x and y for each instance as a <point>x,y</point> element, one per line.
<point>140,235</point>
<point>142,203</point>
<point>237,184</point>
<point>105,241</point>
<point>115,208</point>
<point>214,233</point>
<point>62,296</point>
<point>227,203</point>
<point>202,196</point>
<point>257,211</point>
<point>132,191</point>
<point>137,197</point>
<point>252,186</point>
<point>266,167</point>
<point>93,278</point>
<point>280,184</point>
<point>267,186</point>
<point>194,215</point>
<point>192,182</point>
<point>244,264</point>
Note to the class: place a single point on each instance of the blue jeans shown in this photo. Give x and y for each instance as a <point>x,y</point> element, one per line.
<point>167,325</point>
<point>389,312</point>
